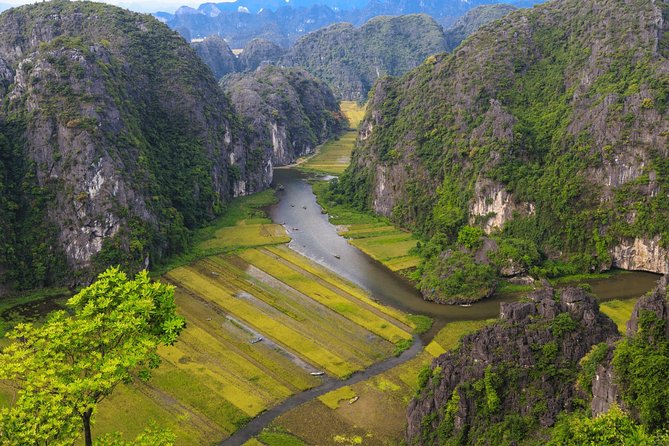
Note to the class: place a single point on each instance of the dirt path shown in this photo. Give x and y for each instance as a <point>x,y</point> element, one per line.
<point>255,426</point>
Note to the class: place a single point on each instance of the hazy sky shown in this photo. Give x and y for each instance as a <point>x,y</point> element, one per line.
<point>136,5</point>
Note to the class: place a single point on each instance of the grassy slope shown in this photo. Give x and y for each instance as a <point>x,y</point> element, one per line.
<point>620,311</point>
<point>334,156</point>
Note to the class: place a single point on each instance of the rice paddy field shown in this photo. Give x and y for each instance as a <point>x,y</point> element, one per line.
<point>384,243</point>
<point>371,412</point>
<point>261,319</point>
<point>334,156</point>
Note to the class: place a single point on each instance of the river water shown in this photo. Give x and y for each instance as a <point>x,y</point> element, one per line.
<point>314,237</point>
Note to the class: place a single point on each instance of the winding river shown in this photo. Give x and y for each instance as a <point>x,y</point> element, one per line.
<point>315,237</point>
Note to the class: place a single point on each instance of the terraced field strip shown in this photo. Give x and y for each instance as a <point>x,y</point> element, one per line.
<point>273,324</point>
<point>211,382</point>
<point>353,309</point>
<point>339,282</point>
<point>354,112</point>
<point>246,235</point>
<point>340,335</point>
<point>120,413</point>
<point>378,415</point>
<point>384,243</point>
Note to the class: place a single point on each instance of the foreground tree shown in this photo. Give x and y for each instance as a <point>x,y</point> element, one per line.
<point>65,367</point>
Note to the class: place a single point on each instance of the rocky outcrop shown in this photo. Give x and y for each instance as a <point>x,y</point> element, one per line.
<point>523,366</point>
<point>493,206</point>
<point>216,53</point>
<point>645,254</point>
<point>289,111</point>
<point>656,303</point>
<point>605,389</point>
<point>473,20</point>
<point>119,141</point>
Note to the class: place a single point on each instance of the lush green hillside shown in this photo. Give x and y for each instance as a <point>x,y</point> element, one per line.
<point>116,142</point>
<point>546,131</point>
<point>350,59</point>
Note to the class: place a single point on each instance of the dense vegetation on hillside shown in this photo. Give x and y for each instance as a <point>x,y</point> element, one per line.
<point>288,111</point>
<point>351,59</point>
<point>116,142</point>
<point>547,130</point>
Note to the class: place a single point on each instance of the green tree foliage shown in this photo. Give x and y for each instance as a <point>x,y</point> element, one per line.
<point>470,237</point>
<point>455,277</point>
<point>66,366</point>
<point>641,364</point>
<point>614,428</point>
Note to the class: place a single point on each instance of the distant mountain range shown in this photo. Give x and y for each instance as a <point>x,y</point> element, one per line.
<point>385,45</point>
<point>283,22</point>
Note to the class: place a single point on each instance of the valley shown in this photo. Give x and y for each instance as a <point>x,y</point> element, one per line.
<point>264,321</point>
<point>384,232</point>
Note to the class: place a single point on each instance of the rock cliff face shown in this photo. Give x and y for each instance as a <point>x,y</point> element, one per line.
<point>530,127</point>
<point>116,141</point>
<point>641,254</point>
<point>492,206</point>
<point>288,111</point>
<point>513,376</point>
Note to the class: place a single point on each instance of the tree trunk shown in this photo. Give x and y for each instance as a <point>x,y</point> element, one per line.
<point>86,416</point>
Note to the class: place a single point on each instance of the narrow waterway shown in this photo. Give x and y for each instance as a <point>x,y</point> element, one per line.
<point>314,237</point>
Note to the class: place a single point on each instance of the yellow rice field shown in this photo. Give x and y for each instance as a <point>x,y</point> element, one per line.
<point>335,155</point>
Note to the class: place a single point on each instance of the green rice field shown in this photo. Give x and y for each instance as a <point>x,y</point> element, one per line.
<point>384,243</point>
<point>620,311</point>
